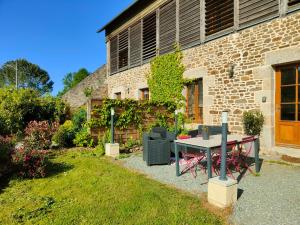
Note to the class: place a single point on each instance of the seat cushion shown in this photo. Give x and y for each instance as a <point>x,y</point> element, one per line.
<point>154,136</point>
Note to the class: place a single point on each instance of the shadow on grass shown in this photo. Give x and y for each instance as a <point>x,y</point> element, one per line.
<point>54,169</point>
<point>4,181</point>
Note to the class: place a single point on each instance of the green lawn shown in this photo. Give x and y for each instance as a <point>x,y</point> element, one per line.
<point>85,189</point>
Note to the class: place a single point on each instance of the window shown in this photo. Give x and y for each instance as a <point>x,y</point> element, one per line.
<point>293,2</point>
<point>194,108</point>
<point>123,49</point>
<point>218,15</point>
<point>167,27</point>
<point>135,44</point>
<point>189,22</point>
<point>144,94</point>
<point>118,95</point>
<point>253,11</point>
<point>114,55</point>
<point>149,37</point>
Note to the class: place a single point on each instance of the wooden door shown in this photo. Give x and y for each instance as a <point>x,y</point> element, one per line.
<point>287,106</point>
<point>194,99</point>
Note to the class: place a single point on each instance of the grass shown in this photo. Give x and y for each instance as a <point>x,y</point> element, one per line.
<point>83,188</point>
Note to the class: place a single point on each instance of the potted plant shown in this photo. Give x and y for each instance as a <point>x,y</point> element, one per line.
<point>183,135</point>
<point>205,133</point>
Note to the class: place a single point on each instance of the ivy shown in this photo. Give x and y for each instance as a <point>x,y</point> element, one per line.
<point>131,113</point>
<point>166,80</point>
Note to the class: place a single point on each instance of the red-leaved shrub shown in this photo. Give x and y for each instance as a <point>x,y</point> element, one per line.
<point>39,134</point>
<point>30,163</point>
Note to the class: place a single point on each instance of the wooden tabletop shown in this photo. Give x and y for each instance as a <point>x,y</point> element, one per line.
<point>214,140</point>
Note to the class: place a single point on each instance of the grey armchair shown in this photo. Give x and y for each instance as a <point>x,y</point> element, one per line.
<point>157,146</point>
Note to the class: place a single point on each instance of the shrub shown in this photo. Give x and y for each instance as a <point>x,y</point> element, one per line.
<point>6,145</point>
<point>39,134</point>
<point>30,163</point>
<point>65,135</point>
<point>83,139</point>
<point>100,149</point>
<point>19,107</point>
<point>79,119</point>
<point>253,122</point>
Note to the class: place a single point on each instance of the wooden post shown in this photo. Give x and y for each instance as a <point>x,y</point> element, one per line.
<point>202,21</point>
<point>236,14</point>
<point>283,7</point>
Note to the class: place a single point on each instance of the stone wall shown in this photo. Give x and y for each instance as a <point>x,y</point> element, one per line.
<point>254,52</point>
<point>76,97</point>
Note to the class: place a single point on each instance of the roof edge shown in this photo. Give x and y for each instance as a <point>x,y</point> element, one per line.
<point>116,17</point>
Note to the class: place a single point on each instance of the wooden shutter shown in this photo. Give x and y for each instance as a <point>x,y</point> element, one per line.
<point>189,22</point>
<point>167,27</point>
<point>114,55</point>
<point>135,44</point>
<point>293,2</point>
<point>149,37</point>
<point>254,11</point>
<point>218,15</point>
<point>123,49</point>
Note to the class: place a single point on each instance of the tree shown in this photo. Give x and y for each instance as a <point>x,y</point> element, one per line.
<point>70,80</point>
<point>29,76</point>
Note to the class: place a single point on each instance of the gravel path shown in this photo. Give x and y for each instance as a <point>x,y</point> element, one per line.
<point>270,199</point>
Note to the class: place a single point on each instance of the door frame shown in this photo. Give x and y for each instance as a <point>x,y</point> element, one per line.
<point>277,108</point>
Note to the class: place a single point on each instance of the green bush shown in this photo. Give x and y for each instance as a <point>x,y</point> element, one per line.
<point>19,107</point>
<point>65,135</point>
<point>100,149</point>
<point>79,118</point>
<point>83,139</point>
<point>253,122</point>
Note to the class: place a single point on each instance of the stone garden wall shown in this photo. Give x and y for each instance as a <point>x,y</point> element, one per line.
<point>76,97</point>
<point>253,52</point>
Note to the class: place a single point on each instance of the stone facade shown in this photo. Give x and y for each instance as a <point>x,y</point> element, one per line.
<point>76,97</point>
<point>253,53</point>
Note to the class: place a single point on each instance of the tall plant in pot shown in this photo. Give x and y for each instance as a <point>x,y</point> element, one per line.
<point>253,122</point>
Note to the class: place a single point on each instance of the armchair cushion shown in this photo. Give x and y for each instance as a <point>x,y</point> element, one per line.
<point>155,136</point>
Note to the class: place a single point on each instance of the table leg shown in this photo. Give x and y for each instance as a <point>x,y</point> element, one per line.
<point>256,155</point>
<point>209,172</point>
<point>177,160</point>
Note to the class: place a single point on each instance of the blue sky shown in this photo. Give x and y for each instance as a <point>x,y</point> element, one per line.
<point>58,35</point>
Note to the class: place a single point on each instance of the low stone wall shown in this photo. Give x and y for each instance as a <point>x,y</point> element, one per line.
<point>76,97</point>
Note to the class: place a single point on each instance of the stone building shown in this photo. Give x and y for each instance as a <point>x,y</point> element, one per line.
<point>95,82</point>
<point>243,53</point>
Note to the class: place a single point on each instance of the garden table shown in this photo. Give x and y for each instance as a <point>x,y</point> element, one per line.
<point>207,146</point>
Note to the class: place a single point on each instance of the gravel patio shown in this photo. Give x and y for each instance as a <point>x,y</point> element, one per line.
<point>271,198</point>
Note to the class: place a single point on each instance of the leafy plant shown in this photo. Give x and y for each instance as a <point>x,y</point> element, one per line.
<point>65,135</point>
<point>19,107</point>
<point>88,91</point>
<point>167,75</point>
<point>253,122</point>
<point>30,163</point>
<point>39,134</point>
<point>83,139</point>
<point>79,119</point>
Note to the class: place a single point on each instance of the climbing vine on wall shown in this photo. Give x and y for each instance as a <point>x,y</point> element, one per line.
<point>166,80</point>
<point>131,113</point>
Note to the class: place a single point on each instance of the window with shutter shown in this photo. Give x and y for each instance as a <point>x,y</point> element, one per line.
<point>167,27</point>
<point>149,37</point>
<point>123,49</point>
<point>293,2</point>
<point>218,15</point>
<point>253,11</point>
<point>135,44</point>
<point>189,22</point>
<point>114,55</point>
